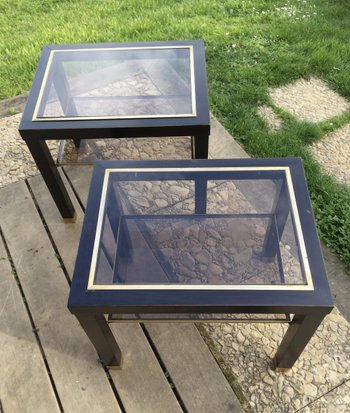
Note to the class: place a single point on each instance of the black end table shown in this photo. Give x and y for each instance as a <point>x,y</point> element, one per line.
<point>113,90</point>
<point>213,240</point>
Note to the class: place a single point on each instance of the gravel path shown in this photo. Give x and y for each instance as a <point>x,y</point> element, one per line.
<point>313,101</point>
<point>310,100</point>
<point>333,153</point>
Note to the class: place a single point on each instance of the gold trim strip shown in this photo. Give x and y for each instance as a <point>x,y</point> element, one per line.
<point>199,169</point>
<point>193,85</point>
<point>203,287</point>
<point>42,87</point>
<point>98,231</point>
<point>35,117</point>
<point>302,287</point>
<point>63,118</point>
<point>98,49</point>
<point>304,257</point>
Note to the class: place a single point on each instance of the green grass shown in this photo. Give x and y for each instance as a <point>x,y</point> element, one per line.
<point>250,47</point>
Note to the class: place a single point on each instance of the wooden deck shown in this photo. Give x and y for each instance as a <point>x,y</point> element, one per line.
<point>47,362</point>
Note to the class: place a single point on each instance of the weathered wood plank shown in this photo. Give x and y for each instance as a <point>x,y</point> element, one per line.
<point>81,384</point>
<point>192,368</point>
<point>141,384</point>
<point>80,178</point>
<point>66,236</point>
<point>23,376</point>
<point>197,377</point>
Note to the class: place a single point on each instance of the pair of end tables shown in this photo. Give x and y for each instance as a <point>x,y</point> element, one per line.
<point>115,90</point>
<point>197,240</point>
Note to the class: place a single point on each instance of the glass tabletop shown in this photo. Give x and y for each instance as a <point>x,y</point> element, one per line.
<point>207,228</point>
<point>118,82</point>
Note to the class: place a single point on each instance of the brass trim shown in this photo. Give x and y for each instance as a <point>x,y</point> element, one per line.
<point>193,86</point>
<point>42,87</point>
<point>204,287</point>
<point>263,287</point>
<point>118,367</point>
<point>304,257</point>
<point>35,117</point>
<point>63,118</point>
<point>286,320</point>
<point>114,367</point>
<point>279,369</point>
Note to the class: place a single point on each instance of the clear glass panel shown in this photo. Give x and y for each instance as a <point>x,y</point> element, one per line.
<point>242,196</point>
<point>291,261</point>
<point>91,150</point>
<point>119,83</point>
<point>180,228</point>
<point>192,251</point>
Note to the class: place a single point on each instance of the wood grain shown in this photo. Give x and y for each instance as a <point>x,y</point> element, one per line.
<point>141,381</point>
<point>81,383</point>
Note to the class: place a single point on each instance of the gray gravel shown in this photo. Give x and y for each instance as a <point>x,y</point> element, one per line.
<point>310,100</point>
<point>333,153</point>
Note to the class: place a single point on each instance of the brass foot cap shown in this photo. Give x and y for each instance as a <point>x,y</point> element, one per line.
<point>71,220</point>
<point>279,369</point>
<point>116,366</point>
<point>282,370</point>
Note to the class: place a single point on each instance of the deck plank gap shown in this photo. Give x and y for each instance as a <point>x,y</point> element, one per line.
<point>81,203</point>
<point>47,230</point>
<point>164,369</point>
<point>114,389</point>
<point>32,323</point>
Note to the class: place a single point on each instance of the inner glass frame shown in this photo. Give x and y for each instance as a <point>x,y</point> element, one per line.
<point>176,99</point>
<point>212,177</point>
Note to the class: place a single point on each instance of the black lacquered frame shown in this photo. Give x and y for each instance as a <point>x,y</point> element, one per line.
<point>35,131</point>
<point>309,306</point>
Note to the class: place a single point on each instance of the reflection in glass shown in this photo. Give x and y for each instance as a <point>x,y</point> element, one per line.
<point>185,230</point>
<point>91,150</point>
<point>118,83</point>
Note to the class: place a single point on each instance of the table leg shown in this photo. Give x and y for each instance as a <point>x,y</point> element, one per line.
<point>199,146</point>
<point>299,332</point>
<point>100,335</point>
<point>49,172</point>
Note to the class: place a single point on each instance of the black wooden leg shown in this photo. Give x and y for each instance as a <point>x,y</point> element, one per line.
<point>299,332</point>
<point>76,142</point>
<point>100,335</point>
<point>49,172</point>
<point>200,146</point>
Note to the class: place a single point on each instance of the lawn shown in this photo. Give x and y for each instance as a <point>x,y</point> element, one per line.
<point>250,47</point>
